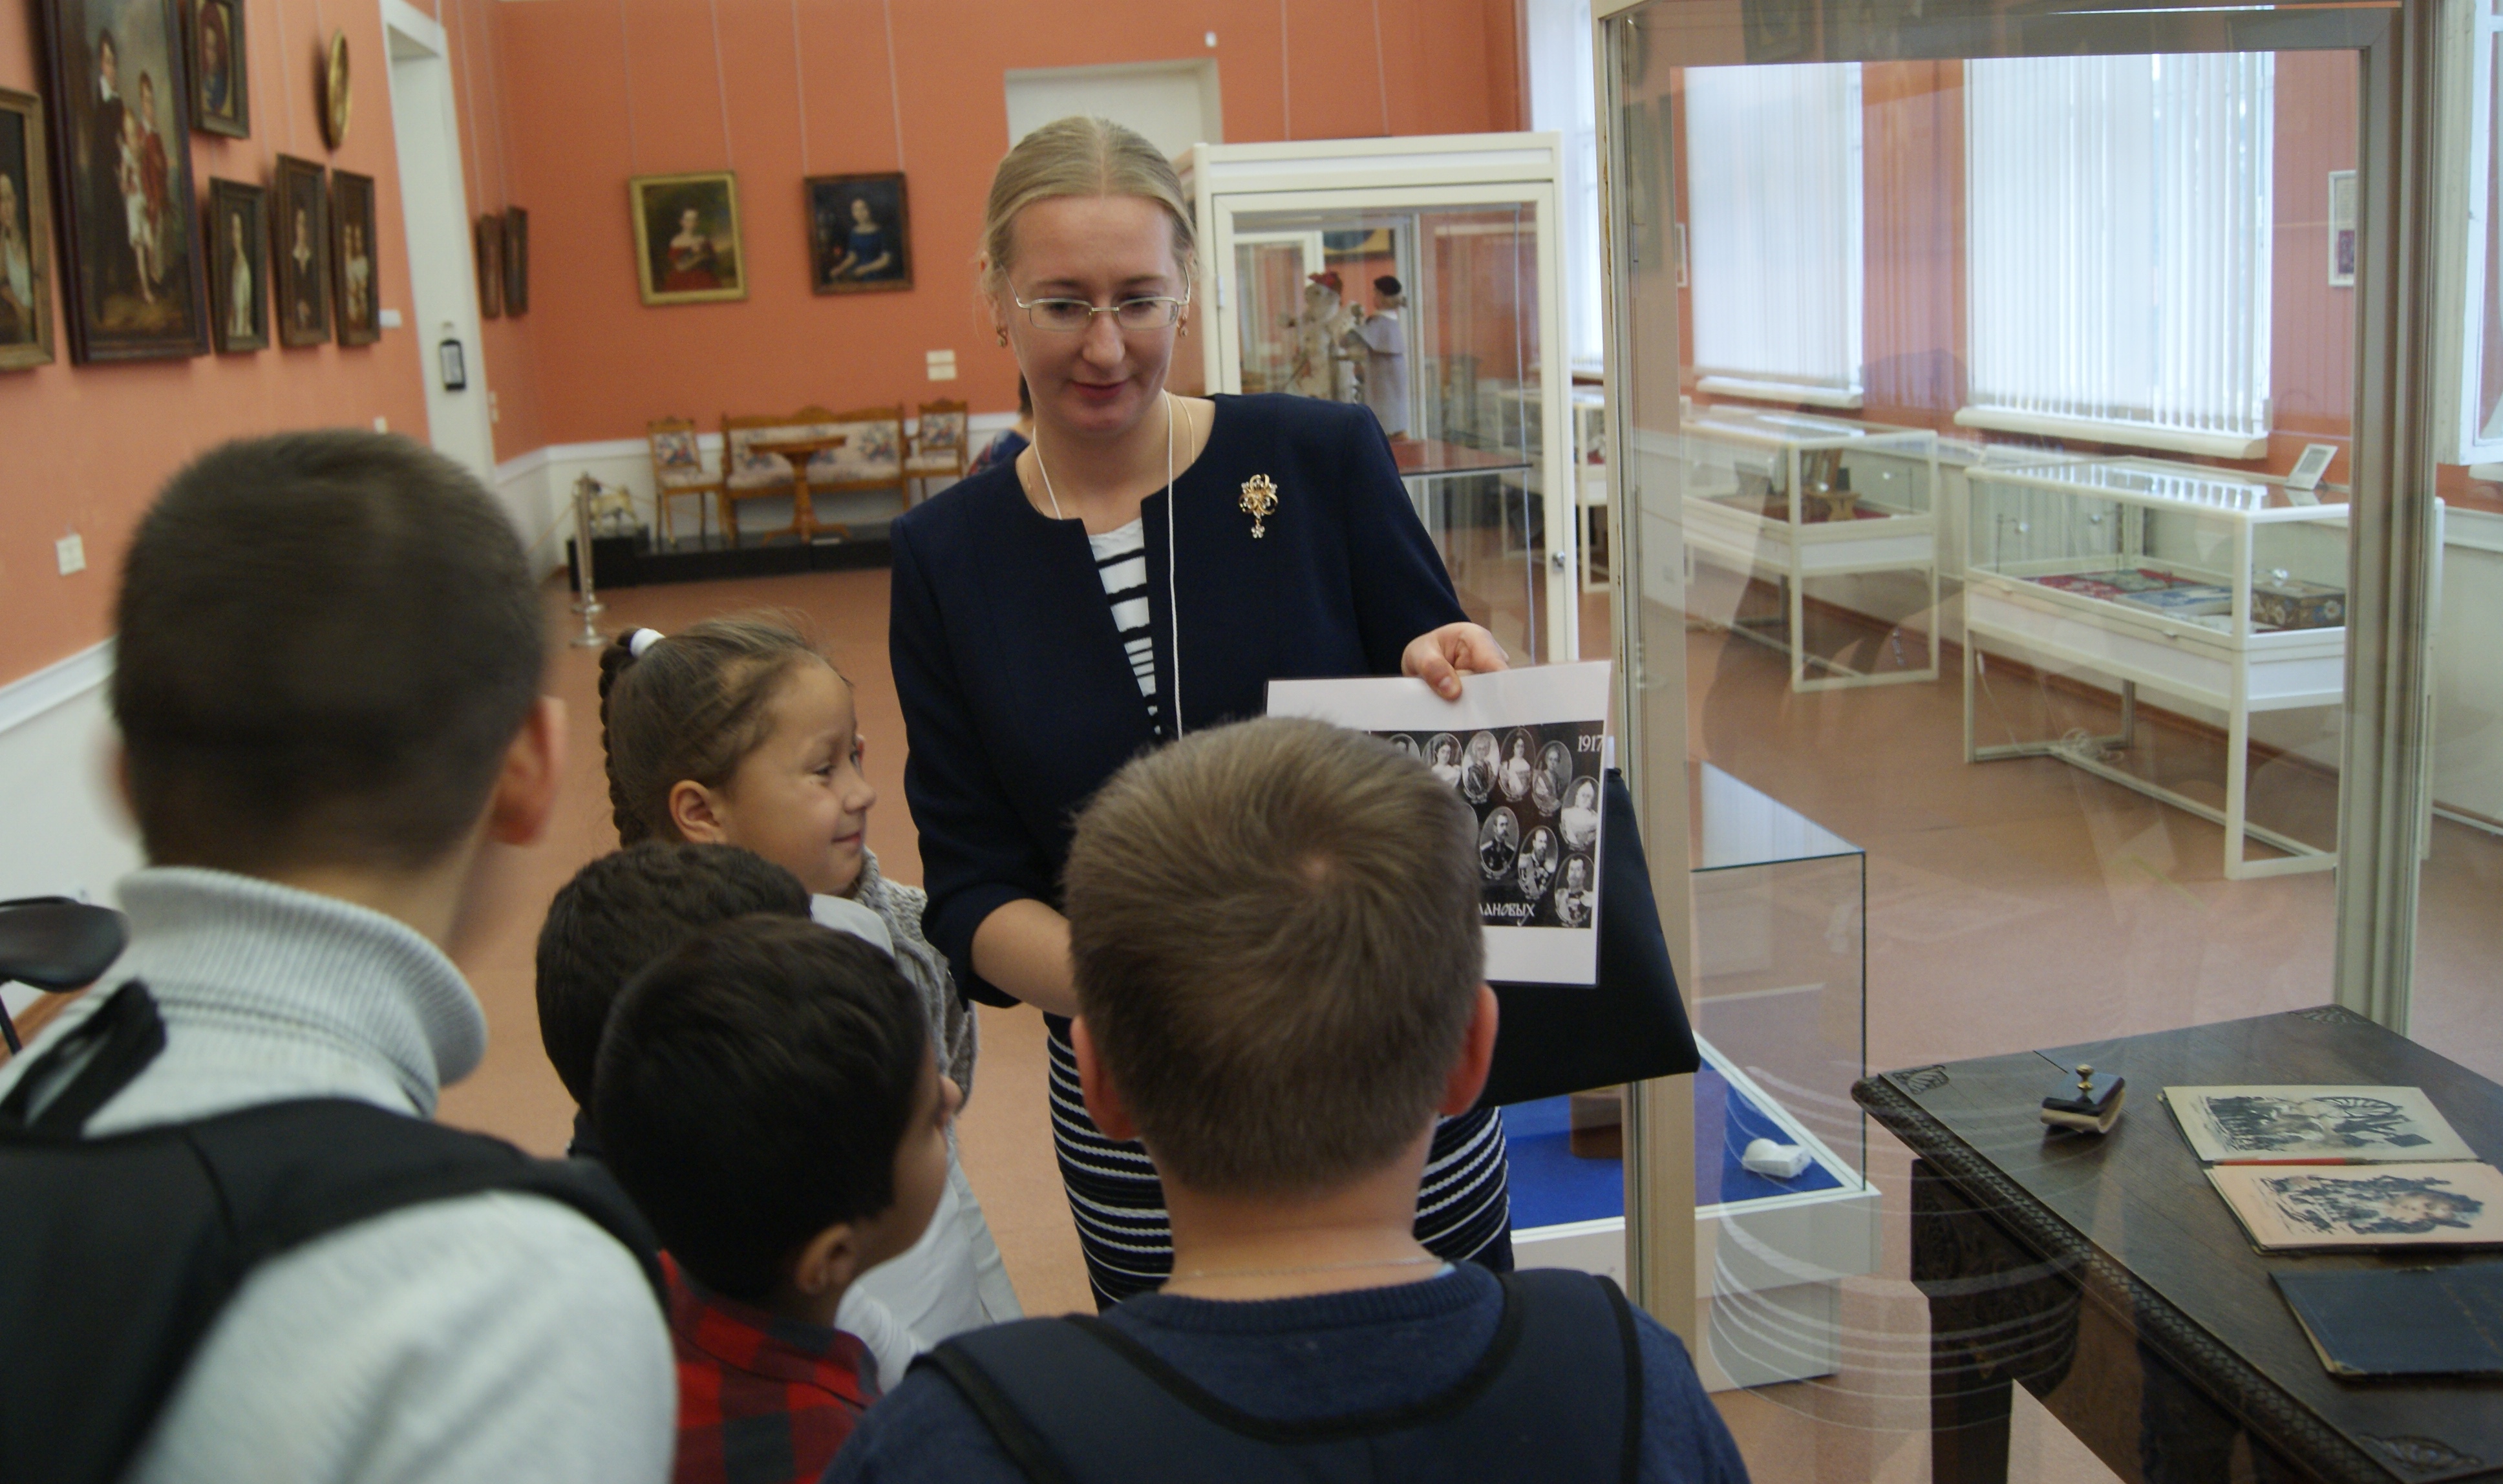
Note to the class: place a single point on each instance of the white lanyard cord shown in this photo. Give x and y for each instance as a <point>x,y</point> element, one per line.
<point>1173,588</point>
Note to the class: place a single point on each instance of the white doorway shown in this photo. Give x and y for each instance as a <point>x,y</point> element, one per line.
<point>443,291</point>
<point>1174,104</point>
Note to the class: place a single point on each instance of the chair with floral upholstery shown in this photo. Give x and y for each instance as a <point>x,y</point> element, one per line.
<point>677,471</point>
<point>871,460</point>
<point>942,436</point>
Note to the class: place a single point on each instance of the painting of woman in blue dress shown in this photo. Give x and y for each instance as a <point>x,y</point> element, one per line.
<point>858,239</point>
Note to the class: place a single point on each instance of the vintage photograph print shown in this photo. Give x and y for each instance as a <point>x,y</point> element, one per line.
<point>239,265</point>
<point>353,305</point>
<point>300,226</point>
<point>487,241</point>
<point>221,83</point>
<point>25,235</point>
<point>2276,1124</point>
<point>859,233</point>
<point>517,260</point>
<point>687,249</point>
<point>134,283</point>
<point>2459,1204</point>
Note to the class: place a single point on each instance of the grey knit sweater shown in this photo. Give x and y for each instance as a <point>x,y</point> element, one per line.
<point>497,1337</point>
<point>954,1034</point>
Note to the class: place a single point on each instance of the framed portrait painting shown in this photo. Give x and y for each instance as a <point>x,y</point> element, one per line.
<point>354,304</point>
<point>220,87</point>
<point>687,248</point>
<point>25,235</point>
<point>134,285</point>
<point>299,221</point>
<point>517,260</point>
<point>487,243</point>
<point>239,265</point>
<point>859,233</point>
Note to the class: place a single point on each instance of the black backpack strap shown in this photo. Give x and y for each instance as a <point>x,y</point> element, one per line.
<point>141,1239</point>
<point>107,1048</point>
<point>295,1172</point>
<point>1078,1402</point>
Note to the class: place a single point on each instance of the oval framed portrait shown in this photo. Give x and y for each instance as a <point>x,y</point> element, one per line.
<point>1498,843</point>
<point>1479,766</point>
<point>1538,858</point>
<point>336,91</point>
<point>1553,776</point>
<point>1443,755</point>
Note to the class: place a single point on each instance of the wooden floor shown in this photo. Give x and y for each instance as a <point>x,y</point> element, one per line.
<point>2010,904</point>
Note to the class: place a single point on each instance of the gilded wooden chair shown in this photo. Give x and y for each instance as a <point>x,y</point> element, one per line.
<point>942,443</point>
<point>677,471</point>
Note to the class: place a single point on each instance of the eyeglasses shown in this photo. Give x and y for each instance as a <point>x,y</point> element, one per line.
<point>1072,315</point>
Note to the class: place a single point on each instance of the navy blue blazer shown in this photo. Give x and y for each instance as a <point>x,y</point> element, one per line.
<point>1018,702</point>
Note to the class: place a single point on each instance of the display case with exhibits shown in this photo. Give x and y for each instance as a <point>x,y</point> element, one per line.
<point>1778,986</point>
<point>2223,588</point>
<point>1421,278</point>
<point>1793,498</point>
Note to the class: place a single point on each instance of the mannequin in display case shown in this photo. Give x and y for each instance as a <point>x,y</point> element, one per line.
<point>1322,366</point>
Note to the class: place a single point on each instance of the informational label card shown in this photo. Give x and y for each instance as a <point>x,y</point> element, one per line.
<point>1525,748</point>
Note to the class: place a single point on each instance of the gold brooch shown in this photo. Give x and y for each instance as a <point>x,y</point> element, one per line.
<point>1259,502</point>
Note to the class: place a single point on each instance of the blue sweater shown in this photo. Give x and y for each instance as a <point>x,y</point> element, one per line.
<point>1298,1359</point>
<point>1018,702</point>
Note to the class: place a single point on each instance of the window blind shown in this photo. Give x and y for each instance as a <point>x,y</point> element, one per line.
<point>2118,218</point>
<point>1773,190</point>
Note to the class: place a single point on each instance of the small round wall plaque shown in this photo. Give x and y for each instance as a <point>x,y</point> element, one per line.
<point>335,92</point>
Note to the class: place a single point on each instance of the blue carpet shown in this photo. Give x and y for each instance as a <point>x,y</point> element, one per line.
<point>1550,1185</point>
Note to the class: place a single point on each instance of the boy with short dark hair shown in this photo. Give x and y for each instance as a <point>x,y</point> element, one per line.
<point>1274,929</point>
<point>620,915</point>
<point>768,1097</point>
<point>617,917</point>
<point>327,685</point>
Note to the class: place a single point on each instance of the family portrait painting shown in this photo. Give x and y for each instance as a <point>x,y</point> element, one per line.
<point>121,150</point>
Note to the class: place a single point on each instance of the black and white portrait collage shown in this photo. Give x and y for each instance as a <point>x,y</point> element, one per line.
<point>1536,792</point>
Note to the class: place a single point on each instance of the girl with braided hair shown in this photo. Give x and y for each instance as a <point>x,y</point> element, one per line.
<point>737,731</point>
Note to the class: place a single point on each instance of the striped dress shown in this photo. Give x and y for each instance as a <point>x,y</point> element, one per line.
<point>1463,1207</point>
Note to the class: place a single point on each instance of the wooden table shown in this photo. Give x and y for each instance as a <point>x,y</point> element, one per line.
<point>797,451</point>
<point>2108,1279</point>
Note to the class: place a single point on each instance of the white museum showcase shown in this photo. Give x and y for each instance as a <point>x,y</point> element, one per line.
<point>1793,498</point>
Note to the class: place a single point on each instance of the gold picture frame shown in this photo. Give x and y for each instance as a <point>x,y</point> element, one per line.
<point>687,243</point>
<point>337,91</point>
<point>25,235</point>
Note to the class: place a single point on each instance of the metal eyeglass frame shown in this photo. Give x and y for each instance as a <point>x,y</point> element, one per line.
<point>1173,316</point>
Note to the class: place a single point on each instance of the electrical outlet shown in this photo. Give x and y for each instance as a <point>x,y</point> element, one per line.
<point>495,414</point>
<point>71,551</point>
<point>387,319</point>
<point>942,364</point>
<point>382,425</point>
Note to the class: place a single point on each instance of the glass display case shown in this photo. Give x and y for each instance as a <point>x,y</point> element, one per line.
<point>1793,498</point>
<point>1778,986</point>
<point>2223,588</point>
<point>1419,276</point>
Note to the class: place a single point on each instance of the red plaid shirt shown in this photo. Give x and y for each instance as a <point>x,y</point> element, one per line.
<point>761,1400</point>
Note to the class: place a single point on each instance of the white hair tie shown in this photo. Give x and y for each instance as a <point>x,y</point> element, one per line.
<point>642,639</point>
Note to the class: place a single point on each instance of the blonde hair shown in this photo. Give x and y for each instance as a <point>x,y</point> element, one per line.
<point>1079,156</point>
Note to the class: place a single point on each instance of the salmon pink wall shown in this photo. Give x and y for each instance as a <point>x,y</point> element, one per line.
<point>568,98</point>
<point>88,445</point>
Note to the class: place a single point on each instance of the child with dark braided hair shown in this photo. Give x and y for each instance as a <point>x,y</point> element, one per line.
<point>737,731</point>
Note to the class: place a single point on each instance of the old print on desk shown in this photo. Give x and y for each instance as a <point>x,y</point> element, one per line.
<point>1525,748</point>
<point>2384,1205</point>
<point>2313,1124</point>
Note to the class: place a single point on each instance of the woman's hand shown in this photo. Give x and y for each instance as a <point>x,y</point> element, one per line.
<point>1442,656</point>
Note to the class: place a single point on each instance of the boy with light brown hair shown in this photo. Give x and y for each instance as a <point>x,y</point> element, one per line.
<point>1274,928</point>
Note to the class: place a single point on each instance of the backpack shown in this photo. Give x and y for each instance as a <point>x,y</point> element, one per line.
<point>1557,1394</point>
<point>121,1251</point>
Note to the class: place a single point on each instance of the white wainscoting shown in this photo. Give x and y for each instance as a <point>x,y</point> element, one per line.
<point>63,831</point>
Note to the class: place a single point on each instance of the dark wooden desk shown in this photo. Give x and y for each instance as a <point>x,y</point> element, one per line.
<point>2108,1279</point>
